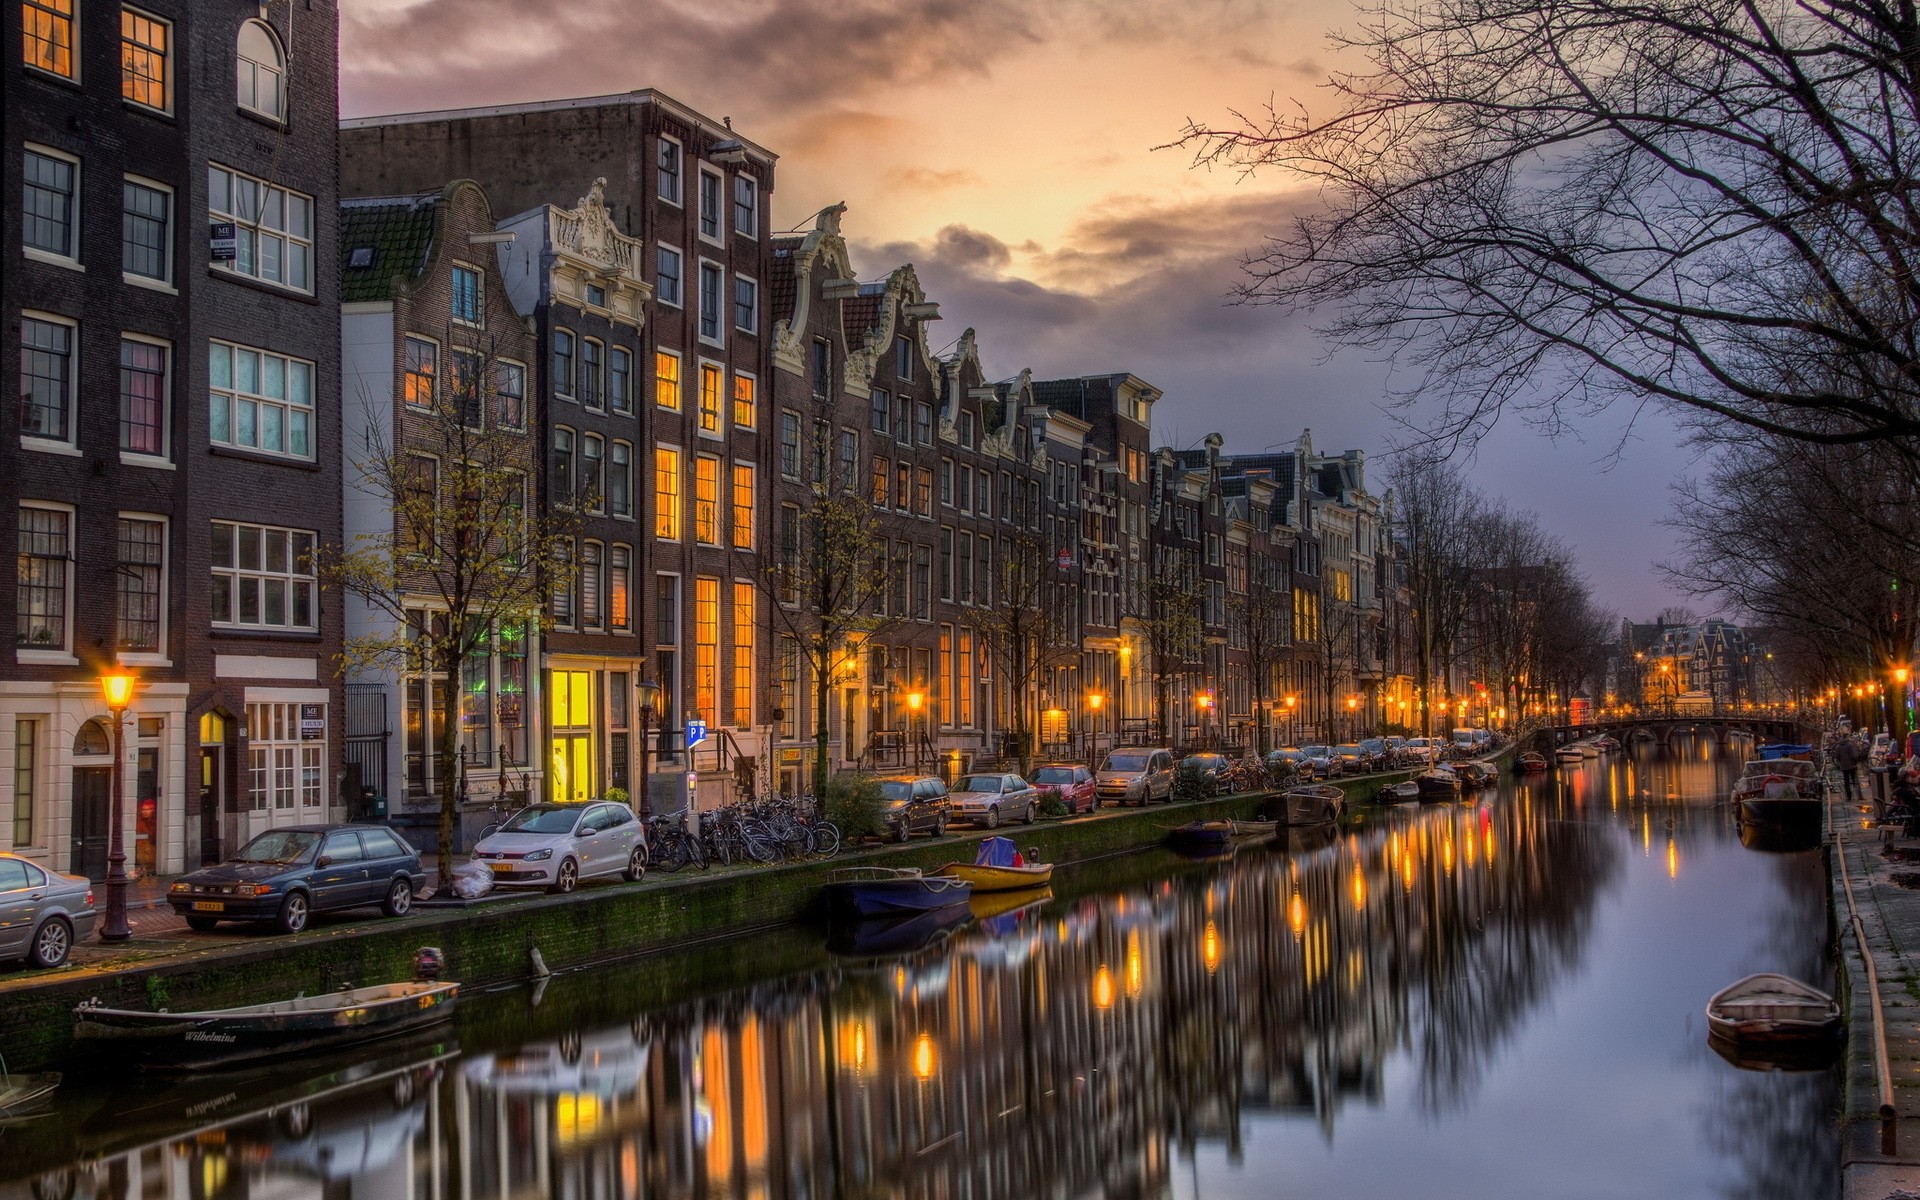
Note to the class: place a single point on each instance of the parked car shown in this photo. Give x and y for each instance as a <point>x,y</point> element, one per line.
<point>1352,759</point>
<point>913,803</point>
<point>1209,769</point>
<point>1071,782</point>
<point>990,799</point>
<point>1422,750</point>
<point>42,912</point>
<point>285,875</point>
<point>1322,760</point>
<point>555,846</point>
<point>1288,762</point>
<point>1136,774</point>
<point>1378,757</point>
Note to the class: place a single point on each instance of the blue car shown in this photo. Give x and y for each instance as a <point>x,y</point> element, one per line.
<point>286,875</point>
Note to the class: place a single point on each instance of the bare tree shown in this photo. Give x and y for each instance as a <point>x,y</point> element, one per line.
<point>1030,628</point>
<point>1552,207</point>
<point>1165,606</point>
<point>1441,521</point>
<point>1260,621</point>
<point>466,559</point>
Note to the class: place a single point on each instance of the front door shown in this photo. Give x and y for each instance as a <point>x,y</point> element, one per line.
<point>92,816</point>
<point>572,768</point>
<point>210,792</point>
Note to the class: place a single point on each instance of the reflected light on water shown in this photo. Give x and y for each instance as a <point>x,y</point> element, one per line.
<point>1103,988</point>
<point>1296,915</point>
<point>1673,859</point>
<point>1136,966</point>
<point>924,1062</point>
<point>1359,889</point>
<point>1210,947</point>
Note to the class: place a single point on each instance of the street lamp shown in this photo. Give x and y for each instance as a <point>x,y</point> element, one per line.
<point>1204,702</point>
<point>1293,732</point>
<point>1094,701</point>
<point>649,697</point>
<point>915,699</point>
<point>117,687</point>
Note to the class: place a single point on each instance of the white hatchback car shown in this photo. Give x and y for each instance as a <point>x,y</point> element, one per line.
<point>555,846</point>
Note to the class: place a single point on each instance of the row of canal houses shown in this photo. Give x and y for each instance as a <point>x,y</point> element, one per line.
<point>294,289</point>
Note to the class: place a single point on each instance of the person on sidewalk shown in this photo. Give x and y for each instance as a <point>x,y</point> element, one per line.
<point>1846,759</point>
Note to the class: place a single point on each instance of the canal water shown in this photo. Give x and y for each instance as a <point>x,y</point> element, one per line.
<point>1495,998</point>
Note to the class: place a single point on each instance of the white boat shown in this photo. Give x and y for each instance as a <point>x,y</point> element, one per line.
<point>1588,749</point>
<point>1315,803</point>
<point>1771,1008</point>
<point>1569,754</point>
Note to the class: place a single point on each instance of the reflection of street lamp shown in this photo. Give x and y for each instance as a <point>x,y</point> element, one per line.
<point>649,697</point>
<point>118,690</point>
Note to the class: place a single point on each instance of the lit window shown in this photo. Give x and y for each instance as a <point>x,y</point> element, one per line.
<point>273,228</point>
<point>422,366</point>
<point>742,653</point>
<point>47,36</point>
<point>263,577</point>
<point>712,377</point>
<point>744,401</point>
<point>666,380</point>
<point>262,81</point>
<point>144,43</point>
<point>258,400</point>
<point>666,492</point>
<point>706,499</point>
<point>742,506</point>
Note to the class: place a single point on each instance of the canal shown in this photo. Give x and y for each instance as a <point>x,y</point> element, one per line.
<point>1495,998</point>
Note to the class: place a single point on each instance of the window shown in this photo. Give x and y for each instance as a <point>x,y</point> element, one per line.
<point>882,413</point>
<point>47,36</point>
<point>706,499</point>
<point>902,485</point>
<point>145,224</point>
<point>263,577</point>
<point>274,227</point>
<point>966,431</point>
<point>903,420</point>
<point>922,492</point>
<point>822,373</point>
<point>923,423</point>
<point>144,42</point>
<point>596,296</point>
<point>667,171</point>
<point>262,401</point>
<point>709,302</point>
<point>946,482</point>
<point>745,401</point>
<point>562,362</point>
<point>285,763</point>
<point>620,480</point>
<point>742,653</point>
<point>466,295</point>
<point>706,645</point>
<point>620,380</point>
<point>44,578</point>
<point>26,762</point>
<point>143,549</point>
<point>666,612</point>
<point>620,590</point>
<point>709,206</point>
<point>746,305</point>
<point>742,501</point>
<point>746,205</point>
<point>712,379</point>
<point>562,585</point>
<point>422,360</point>
<point>592,452</point>
<point>48,187</point>
<point>418,518</point>
<point>849,459</point>
<point>666,379</point>
<point>903,358</point>
<point>666,492</point>
<point>262,72</point>
<point>983,570</point>
<point>143,397</point>
<point>466,390</point>
<point>592,374</point>
<point>667,274</point>
<point>946,562</point>
<point>789,554</point>
<point>789,444</point>
<point>882,471</point>
<point>562,469</point>
<point>592,615</point>
<point>923,582</point>
<point>510,394</point>
<point>46,378</point>
<point>963,569</point>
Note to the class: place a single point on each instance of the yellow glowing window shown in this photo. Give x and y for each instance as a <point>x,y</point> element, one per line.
<point>706,645</point>
<point>143,59</point>
<point>666,380</point>
<point>742,654</point>
<point>666,492</point>
<point>711,379</point>
<point>47,35</point>
<point>706,499</point>
<point>572,700</point>
<point>743,506</point>
<point>744,401</point>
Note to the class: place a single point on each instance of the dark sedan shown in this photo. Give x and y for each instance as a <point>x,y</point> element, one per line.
<point>286,875</point>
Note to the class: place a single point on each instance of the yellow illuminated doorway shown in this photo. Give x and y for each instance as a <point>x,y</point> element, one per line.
<point>570,753</point>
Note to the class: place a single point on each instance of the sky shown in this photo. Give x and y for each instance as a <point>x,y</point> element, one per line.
<point>1012,152</point>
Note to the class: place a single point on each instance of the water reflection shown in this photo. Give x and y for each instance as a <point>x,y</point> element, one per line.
<point>1138,1037</point>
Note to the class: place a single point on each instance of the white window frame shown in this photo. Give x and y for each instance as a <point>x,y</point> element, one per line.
<point>287,197</point>
<point>282,99</point>
<point>163,283</point>
<point>722,303</point>
<point>237,573</point>
<point>479,319</point>
<point>305,761</point>
<point>74,34</point>
<point>752,228</point>
<point>720,205</point>
<point>171,58</point>
<point>136,458</point>
<point>234,396</point>
<point>679,297</point>
<point>678,199</point>
<point>147,658</point>
<point>35,253</point>
<point>723,400</point>
<point>63,653</point>
<point>752,329</point>
<point>69,444</point>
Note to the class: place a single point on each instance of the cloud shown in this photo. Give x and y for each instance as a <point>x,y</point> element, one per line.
<point>933,179</point>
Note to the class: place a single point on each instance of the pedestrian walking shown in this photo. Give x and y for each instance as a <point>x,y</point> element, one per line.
<point>1846,759</point>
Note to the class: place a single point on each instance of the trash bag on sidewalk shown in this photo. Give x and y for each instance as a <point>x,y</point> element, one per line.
<point>472,880</point>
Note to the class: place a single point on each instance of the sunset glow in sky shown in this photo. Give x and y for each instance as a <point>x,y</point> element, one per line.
<point>1007,150</point>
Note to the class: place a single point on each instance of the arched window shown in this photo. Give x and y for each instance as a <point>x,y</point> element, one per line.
<point>262,71</point>
<point>92,741</point>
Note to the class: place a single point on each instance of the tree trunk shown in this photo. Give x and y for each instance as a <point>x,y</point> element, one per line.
<point>449,755</point>
<point>822,698</point>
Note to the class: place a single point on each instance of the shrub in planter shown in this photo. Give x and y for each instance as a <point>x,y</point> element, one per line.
<point>854,804</point>
<point>1051,805</point>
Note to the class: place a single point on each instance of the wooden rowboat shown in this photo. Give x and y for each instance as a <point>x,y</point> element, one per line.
<point>1771,1008</point>
<point>1530,763</point>
<point>999,867</point>
<point>1315,803</point>
<point>225,1037</point>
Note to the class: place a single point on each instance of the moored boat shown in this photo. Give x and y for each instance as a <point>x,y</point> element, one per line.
<point>1588,749</point>
<point>1771,1008</point>
<point>899,933</point>
<point>1569,754</point>
<point>878,891</point>
<point>1314,803</point>
<point>224,1037</point>
<point>1530,763</point>
<point>25,1095</point>
<point>1211,837</point>
<point>999,867</point>
<point>1437,783</point>
<point>1404,792</point>
<point>1779,792</point>
<point>1477,774</point>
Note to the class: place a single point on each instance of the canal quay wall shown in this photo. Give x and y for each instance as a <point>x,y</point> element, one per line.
<point>490,942</point>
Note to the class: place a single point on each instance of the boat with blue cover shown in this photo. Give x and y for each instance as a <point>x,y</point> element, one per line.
<point>879,891</point>
<point>1000,867</point>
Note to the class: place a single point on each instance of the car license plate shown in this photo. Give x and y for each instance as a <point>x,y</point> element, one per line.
<point>501,867</point>
<point>209,906</point>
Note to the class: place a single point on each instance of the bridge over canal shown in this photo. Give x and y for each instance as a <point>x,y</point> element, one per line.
<point>1664,729</point>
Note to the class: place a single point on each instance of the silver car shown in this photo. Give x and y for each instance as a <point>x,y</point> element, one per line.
<point>1136,775</point>
<point>42,912</point>
<point>990,799</point>
<point>555,846</point>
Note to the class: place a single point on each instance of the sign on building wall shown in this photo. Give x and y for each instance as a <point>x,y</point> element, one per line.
<point>223,241</point>
<point>313,722</point>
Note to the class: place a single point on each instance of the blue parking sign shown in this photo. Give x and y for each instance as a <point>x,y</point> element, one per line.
<point>696,733</point>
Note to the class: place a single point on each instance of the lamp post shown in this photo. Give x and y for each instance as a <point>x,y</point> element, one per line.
<point>1204,702</point>
<point>649,697</point>
<point>117,687</point>
<point>915,699</point>
<point>1667,684</point>
<point>1353,718</point>
<point>1094,702</point>
<point>1293,730</point>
